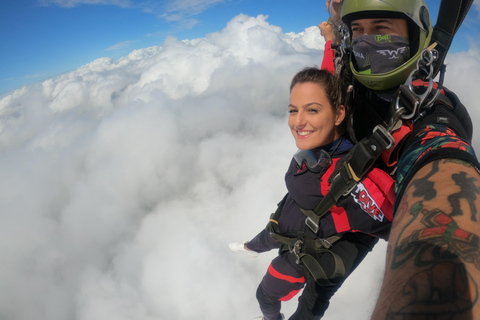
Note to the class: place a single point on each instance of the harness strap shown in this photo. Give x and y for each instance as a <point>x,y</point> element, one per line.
<point>390,156</point>
<point>318,273</point>
<point>305,249</point>
<point>360,160</point>
<point>450,17</point>
<point>362,157</point>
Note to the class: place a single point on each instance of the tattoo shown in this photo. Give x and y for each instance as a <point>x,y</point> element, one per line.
<point>423,187</point>
<point>443,289</point>
<point>468,191</point>
<point>428,295</point>
<point>440,240</point>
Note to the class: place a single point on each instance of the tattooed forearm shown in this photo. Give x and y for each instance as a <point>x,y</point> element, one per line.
<point>441,239</point>
<point>443,291</point>
<point>433,259</point>
<point>435,237</point>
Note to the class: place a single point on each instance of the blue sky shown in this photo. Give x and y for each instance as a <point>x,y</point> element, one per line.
<point>42,38</point>
<point>127,148</point>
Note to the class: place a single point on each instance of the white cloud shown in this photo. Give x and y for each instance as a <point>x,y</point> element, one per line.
<point>73,3</point>
<point>189,7</point>
<point>120,45</point>
<point>124,181</point>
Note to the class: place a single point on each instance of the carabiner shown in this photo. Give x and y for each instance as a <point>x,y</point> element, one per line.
<point>424,64</point>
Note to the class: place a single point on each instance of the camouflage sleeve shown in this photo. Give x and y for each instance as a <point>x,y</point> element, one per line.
<point>439,136</point>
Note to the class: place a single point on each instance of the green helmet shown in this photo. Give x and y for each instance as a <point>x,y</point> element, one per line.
<point>420,32</point>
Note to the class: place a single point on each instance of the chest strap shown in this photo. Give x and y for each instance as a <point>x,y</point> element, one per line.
<point>359,162</point>
<point>306,249</point>
<point>352,170</point>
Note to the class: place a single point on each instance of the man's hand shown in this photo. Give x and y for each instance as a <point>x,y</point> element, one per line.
<point>326,31</point>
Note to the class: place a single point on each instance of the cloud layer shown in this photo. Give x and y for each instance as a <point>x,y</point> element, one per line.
<point>124,181</point>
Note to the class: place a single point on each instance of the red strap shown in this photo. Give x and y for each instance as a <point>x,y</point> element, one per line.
<point>390,156</point>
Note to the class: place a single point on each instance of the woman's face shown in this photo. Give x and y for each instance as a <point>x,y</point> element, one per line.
<point>312,119</point>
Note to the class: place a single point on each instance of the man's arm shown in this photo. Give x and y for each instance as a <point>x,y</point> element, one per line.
<point>433,258</point>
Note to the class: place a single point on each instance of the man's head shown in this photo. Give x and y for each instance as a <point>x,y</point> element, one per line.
<point>387,39</point>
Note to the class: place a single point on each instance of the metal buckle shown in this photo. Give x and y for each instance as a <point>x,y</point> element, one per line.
<point>311,224</point>
<point>386,135</point>
<point>325,243</point>
<point>295,250</point>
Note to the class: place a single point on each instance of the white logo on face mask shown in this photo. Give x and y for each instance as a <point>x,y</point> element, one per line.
<point>358,55</point>
<point>377,54</point>
<point>394,54</point>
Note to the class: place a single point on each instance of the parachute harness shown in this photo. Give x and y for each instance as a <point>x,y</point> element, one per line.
<point>356,166</point>
<point>411,105</point>
<point>305,247</point>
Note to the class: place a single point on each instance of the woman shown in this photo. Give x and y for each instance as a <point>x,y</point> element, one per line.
<point>317,121</point>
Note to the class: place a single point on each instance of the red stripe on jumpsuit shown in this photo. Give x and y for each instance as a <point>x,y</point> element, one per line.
<point>274,273</point>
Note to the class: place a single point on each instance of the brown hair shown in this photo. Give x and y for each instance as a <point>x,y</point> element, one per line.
<point>334,88</point>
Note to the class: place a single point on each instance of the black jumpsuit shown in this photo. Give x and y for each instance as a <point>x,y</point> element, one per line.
<point>363,216</point>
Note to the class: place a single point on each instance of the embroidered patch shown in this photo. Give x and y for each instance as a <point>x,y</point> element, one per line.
<point>366,202</point>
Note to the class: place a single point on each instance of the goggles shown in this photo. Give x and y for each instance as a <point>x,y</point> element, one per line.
<point>316,163</point>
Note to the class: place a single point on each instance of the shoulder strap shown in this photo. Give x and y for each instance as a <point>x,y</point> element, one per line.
<point>359,162</point>
<point>450,17</point>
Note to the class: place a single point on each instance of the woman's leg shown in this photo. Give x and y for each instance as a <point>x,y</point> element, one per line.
<point>283,280</point>
<point>352,249</point>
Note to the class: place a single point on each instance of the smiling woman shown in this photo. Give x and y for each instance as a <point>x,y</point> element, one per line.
<point>315,118</point>
<point>317,256</point>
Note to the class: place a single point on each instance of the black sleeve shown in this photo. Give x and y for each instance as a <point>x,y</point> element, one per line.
<point>442,134</point>
<point>263,242</point>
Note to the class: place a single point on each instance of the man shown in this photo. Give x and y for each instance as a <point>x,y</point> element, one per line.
<point>433,260</point>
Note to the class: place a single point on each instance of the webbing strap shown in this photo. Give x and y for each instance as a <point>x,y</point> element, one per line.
<point>303,248</point>
<point>450,17</point>
<point>316,270</point>
<point>360,160</point>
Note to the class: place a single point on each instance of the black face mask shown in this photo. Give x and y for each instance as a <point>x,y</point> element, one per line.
<point>376,54</point>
